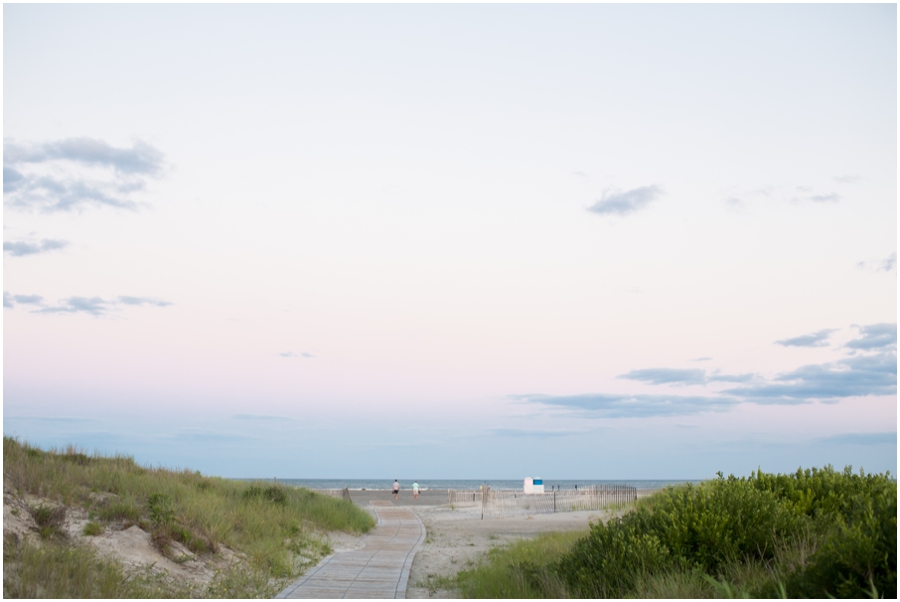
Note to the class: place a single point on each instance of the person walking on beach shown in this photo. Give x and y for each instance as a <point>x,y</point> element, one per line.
<point>415,489</point>
<point>396,489</point>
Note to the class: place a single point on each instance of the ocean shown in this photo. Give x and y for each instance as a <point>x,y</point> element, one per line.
<point>443,484</point>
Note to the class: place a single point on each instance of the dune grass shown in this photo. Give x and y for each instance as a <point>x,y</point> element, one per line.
<point>519,570</point>
<point>278,529</point>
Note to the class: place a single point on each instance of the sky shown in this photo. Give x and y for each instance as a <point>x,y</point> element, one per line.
<point>453,241</point>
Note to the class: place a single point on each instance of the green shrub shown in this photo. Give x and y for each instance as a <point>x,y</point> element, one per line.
<point>859,557</point>
<point>748,536</point>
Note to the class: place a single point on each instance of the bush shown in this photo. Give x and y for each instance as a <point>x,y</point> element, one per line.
<point>859,558</point>
<point>756,530</point>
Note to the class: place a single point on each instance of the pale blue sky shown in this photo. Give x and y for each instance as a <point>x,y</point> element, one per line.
<point>453,241</point>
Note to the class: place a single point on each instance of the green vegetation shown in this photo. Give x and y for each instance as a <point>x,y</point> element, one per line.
<point>275,529</point>
<point>56,571</point>
<point>519,570</point>
<point>93,529</point>
<point>814,533</point>
<point>49,520</point>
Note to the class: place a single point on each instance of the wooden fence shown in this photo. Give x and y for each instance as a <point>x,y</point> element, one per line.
<point>512,503</point>
<point>463,496</point>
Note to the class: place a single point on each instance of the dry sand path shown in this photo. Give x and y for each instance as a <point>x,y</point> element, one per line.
<point>379,569</point>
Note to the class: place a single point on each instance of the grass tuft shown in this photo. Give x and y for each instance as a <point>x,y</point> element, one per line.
<point>93,529</point>
<point>49,520</point>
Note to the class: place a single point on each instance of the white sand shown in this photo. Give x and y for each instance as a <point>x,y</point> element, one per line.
<point>457,538</point>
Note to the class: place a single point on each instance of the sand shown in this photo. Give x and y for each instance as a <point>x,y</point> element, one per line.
<point>456,537</point>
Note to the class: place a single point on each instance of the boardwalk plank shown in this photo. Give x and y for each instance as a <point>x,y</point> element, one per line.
<point>379,570</point>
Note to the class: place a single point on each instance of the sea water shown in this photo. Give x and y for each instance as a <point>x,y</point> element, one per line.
<point>444,484</point>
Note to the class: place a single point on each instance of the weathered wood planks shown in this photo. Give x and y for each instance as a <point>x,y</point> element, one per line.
<point>379,570</point>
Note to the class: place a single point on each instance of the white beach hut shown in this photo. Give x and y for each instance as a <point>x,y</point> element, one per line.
<point>534,485</point>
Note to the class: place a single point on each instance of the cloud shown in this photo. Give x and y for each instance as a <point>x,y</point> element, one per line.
<point>887,264</point>
<point>580,174</point>
<point>12,179</point>
<point>141,158</point>
<point>874,336</point>
<point>816,339</point>
<point>661,376</point>
<point>10,300</point>
<point>143,301</point>
<point>734,203</point>
<point>68,174</point>
<point>625,203</point>
<point>664,376</point>
<point>847,179</point>
<point>633,406</point>
<point>20,248</point>
<point>730,378</point>
<point>825,198</point>
<point>701,359</point>
<point>292,354</point>
<point>859,375</point>
<point>764,191</point>
<point>28,299</point>
<point>861,439</point>
<point>96,306</point>
<point>851,377</point>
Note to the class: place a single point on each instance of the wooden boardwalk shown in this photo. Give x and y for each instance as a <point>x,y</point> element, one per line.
<point>379,570</point>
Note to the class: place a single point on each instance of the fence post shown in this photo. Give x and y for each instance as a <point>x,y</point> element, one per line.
<point>554,502</point>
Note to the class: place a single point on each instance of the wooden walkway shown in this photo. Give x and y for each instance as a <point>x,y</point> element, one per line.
<point>379,570</point>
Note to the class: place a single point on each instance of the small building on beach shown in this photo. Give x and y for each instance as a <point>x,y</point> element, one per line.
<point>534,485</point>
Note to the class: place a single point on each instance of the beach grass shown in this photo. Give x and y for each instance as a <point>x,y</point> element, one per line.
<point>518,570</point>
<point>277,529</point>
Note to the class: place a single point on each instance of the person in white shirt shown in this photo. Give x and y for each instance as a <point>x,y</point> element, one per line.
<point>396,489</point>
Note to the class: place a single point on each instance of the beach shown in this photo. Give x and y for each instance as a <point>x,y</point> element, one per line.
<point>457,536</point>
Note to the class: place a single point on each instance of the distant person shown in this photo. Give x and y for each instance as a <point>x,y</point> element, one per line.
<point>415,490</point>
<point>396,489</point>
